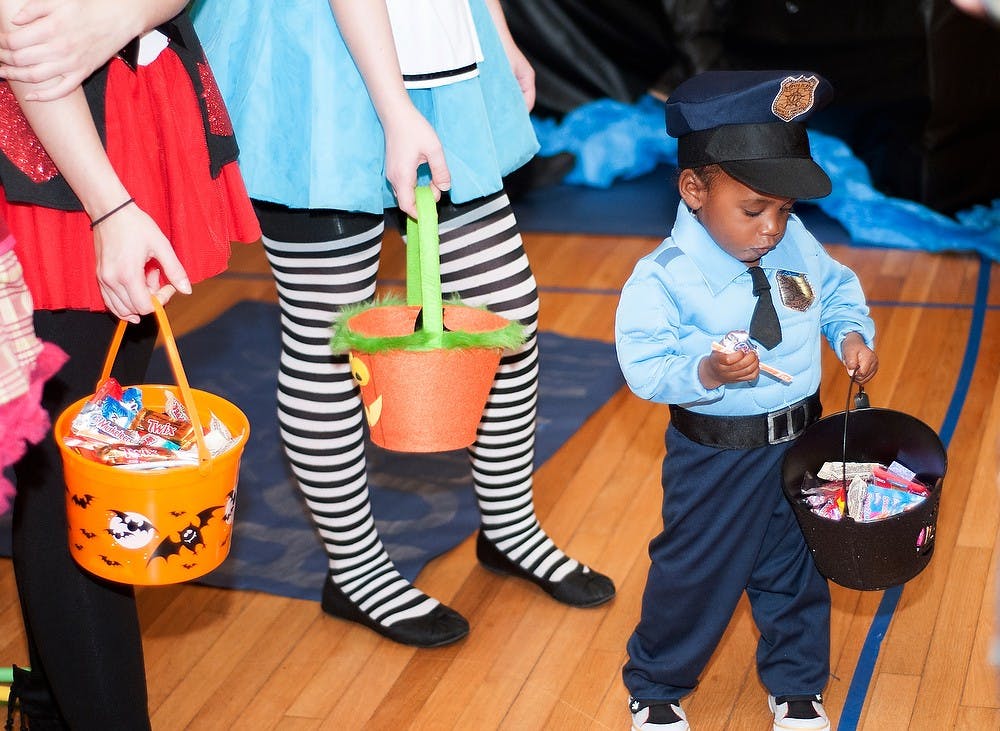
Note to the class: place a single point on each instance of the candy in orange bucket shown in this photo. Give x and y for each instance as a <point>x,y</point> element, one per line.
<point>162,525</point>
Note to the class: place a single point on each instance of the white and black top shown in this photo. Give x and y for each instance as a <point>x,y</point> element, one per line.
<point>436,41</point>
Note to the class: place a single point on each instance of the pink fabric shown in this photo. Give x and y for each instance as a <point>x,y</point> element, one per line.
<point>25,364</point>
<point>18,345</point>
<point>23,421</point>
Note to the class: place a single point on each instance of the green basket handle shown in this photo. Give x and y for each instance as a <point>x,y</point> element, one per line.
<point>423,262</point>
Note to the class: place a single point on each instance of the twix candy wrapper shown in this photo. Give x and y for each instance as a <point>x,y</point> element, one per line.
<point>123,454</point>
<point>152,422</point>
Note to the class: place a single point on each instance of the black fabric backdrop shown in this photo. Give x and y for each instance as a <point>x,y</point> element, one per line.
<point>917,82</point>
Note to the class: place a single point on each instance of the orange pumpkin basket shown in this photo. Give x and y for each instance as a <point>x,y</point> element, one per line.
<point>425,369</point>
<point>154,526</point>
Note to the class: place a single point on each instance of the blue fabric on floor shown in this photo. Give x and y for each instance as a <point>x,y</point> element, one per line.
<point>614,141</point>
<point>423,504</point>
<point>643,206</point>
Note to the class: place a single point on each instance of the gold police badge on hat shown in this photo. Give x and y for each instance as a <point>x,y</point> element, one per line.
<point>796,292</point>
<point>796,96</point>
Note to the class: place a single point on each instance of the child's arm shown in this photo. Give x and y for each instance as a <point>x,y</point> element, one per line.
<point>129,238</point>
<point>410,140</point>
<point>656,364</point>
<point>861,361</point>
<point>65,41</point>
<point>845,319</point>
<point>519,64</point>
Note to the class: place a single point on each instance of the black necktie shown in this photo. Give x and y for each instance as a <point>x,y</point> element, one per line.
<point>764,325</point>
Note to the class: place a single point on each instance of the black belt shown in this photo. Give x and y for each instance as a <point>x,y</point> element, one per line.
<point>747,432</point>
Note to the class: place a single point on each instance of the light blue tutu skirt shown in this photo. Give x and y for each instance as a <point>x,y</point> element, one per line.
<point>307,130</point>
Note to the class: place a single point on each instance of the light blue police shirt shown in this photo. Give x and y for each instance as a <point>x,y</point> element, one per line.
<point>689,292</point>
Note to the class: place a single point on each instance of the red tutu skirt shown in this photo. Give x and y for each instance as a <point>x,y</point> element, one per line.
<point>156,143</point>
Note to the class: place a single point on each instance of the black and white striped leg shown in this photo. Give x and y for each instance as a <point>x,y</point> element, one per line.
<point>322,261</point>
<point>483,260</point>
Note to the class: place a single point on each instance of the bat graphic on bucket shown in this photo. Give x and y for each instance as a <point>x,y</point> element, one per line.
<point>155,526</point>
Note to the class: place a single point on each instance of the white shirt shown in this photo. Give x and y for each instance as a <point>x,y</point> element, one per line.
<point>436,41</point>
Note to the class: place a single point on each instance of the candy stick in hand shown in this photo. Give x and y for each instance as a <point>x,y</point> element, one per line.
<point>780,375</point>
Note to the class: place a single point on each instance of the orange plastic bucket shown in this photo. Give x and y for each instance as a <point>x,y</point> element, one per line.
<point>443,412</point>
<point>160,526</point>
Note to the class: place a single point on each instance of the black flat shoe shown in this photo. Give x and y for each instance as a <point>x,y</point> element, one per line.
<point>582,587</point>
<point>440,626</point>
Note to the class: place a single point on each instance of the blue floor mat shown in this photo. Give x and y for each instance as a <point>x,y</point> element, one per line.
<point>423,504</point>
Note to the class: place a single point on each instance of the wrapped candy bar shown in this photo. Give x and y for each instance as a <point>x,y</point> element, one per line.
<point>880,503</point>
<point>114,428</point>
<point>883,477</point>
<point>902,470</point>
<point>873,491</point>
<point>93,428</point>
<point>121,454</point>
<point>177,431</point>
<point>842,470</point>
<point>857,493</point>
<point>108,388</point>
<point>826,506</point>
<point>826,499</point>
<point>90,422</point>
<point>117,412</point>
<point>174,408</point>
<point>218,437</point>
<point>131,400</point>
<point>739,341</point>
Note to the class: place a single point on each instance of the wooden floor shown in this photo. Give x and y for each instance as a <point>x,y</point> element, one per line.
<point>220,659</point>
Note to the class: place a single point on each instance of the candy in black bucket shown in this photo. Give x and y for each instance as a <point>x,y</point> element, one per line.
<point>883,553</point>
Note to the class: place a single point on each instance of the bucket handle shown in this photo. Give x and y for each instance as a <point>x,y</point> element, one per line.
<point>170,345</point>
<point>423,264</point>
<point>860,402</point>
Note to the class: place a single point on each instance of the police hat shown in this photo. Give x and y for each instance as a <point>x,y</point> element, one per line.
<point>750,123</point>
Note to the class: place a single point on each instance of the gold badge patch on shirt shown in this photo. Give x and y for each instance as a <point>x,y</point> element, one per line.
<point>795,290</point>
<point>796,97</point>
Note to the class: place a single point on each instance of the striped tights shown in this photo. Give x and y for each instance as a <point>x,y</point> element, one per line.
<point>324,260</point>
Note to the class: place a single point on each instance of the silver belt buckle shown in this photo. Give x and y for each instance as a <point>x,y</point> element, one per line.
<point>777,417</point>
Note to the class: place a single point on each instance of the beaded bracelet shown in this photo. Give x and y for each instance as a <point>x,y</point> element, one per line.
<point>109,214</point>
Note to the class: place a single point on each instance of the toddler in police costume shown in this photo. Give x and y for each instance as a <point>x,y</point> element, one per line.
<point>737,259</point>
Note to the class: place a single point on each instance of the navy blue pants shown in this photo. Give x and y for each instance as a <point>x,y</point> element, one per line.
<point>727,528</point>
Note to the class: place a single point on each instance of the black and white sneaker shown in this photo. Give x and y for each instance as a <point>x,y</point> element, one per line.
<point>666,716</point>
<point>798,713</point>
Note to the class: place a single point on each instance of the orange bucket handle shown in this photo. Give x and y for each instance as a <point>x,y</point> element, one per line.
<point>170,345</point>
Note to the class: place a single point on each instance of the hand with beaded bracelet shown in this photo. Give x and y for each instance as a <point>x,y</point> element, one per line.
<point>125,237</point>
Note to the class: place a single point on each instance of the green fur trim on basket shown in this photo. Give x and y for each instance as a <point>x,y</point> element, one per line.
<point>510,336</point>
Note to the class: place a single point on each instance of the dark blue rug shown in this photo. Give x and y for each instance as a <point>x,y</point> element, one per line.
<point>423,504</point>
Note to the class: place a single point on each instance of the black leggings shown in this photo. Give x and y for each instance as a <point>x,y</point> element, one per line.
<point>84,643</point>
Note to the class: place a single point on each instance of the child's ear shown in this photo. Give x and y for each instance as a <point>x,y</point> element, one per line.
<point>692,189</point>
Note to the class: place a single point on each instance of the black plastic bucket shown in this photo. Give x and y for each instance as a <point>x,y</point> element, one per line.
<point>882,553</point>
